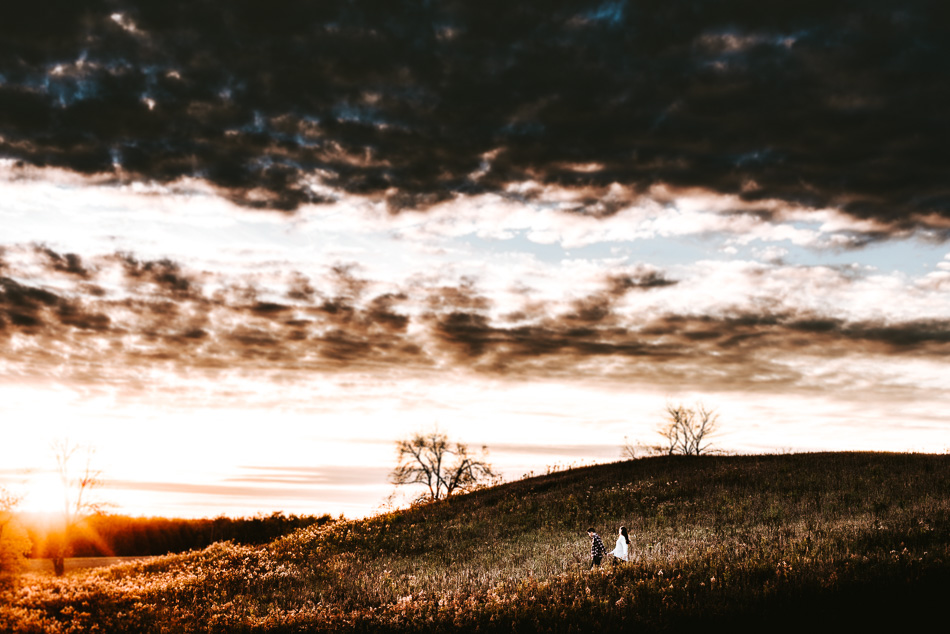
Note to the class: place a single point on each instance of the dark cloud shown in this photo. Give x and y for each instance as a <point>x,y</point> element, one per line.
<point>163,273</point>
<point>47,315</point>
<point>64,263</point>
<point>643,278</point>
<point>300,288</point>
<point>164,316</point>
<point>270,309</point>
<point>74,314</point>
<point>599,307</point>
<point>732,351</point>
<point>382,312</point>
<point>463,296</point>
<point>818,103</point>
<point>25,308</point>
<point>344,323</point>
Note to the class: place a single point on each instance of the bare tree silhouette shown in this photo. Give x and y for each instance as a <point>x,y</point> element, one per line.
<point>444,468</point>
<point>78,503</point>
<point>685,430</point>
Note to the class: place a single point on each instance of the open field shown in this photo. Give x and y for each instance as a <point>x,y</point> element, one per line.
<point>73,564</point>
<point>818,541</point>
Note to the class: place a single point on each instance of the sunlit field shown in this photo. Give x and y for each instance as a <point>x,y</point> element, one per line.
<point>773,543</point>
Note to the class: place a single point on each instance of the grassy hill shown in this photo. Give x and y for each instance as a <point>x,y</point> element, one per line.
<point>820,541</point>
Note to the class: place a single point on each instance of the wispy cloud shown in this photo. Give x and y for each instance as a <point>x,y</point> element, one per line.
<point>312,495</point>
<point>312,476</point>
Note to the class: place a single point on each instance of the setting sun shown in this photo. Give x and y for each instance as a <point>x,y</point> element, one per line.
<point>44,494</point>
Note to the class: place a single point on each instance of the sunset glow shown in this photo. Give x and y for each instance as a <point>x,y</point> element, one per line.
<point>44,495</point>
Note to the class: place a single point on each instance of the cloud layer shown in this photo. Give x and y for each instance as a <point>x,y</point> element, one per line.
<point>87,319</point>
<point>822,105</point>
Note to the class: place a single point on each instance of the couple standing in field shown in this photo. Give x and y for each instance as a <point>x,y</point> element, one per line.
<point>597,550</point>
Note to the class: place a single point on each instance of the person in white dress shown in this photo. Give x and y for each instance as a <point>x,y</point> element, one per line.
<point>621,552</point>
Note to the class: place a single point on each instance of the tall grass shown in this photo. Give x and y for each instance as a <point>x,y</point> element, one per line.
<point>749,541</point>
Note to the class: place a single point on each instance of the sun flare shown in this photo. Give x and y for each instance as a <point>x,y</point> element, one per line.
<point>45,495</point>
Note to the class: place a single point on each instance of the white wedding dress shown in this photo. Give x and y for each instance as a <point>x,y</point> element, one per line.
<point>620,552</point>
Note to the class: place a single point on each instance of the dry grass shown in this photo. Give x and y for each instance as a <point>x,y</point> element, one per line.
<point>763,541</point>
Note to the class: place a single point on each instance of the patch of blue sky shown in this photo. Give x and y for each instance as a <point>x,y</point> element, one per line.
<point>153,74</point>
<point>65,89</point>
<point>518,242</point>
<point>310,138</point>
<point>365,115</point>
<point>611,12</point>
<point>72,82</point>
<point>256,126</point>
<point>662,252</point>
<point>349,113</point>
<point>910,256</point>
<point>302,140</point>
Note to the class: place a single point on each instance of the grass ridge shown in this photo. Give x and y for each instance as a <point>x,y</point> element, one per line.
<point>779,541</point>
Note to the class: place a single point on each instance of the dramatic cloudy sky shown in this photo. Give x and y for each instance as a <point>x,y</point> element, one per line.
<point>244,249</point>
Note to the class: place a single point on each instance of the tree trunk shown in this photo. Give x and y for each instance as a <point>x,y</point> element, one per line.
<point>60,546</point>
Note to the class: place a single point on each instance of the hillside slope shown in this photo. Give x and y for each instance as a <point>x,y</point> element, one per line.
<point>779,542</point>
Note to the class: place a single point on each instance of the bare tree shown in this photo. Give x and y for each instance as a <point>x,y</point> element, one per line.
<point>636,449</point>
<point>444,468</point>
<point>685,430</point>
<point>78,503</point>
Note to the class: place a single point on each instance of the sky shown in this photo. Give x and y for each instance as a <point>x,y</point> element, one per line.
<point>245,251</point>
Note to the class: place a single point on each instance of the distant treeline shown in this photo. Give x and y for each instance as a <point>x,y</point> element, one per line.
<point>121,535</point>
